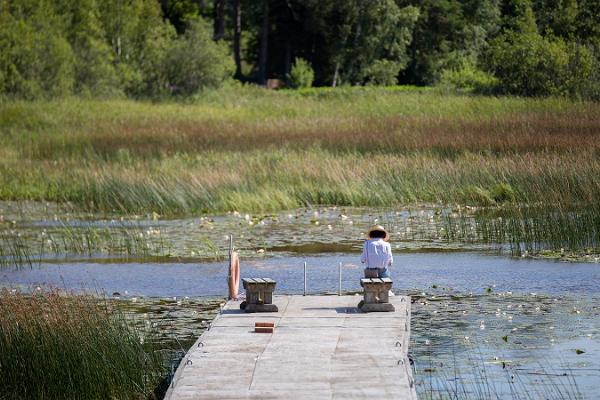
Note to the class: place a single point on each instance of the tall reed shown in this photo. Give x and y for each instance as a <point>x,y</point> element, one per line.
<point>530,229</point>
<point>56,346</point>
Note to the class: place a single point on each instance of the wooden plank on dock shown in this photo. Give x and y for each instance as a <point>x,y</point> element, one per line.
<point>322,348</point>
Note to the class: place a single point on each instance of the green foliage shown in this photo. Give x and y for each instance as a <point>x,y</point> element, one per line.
<point>468,77</point>
<point>383,72</point>
<point>447,34</point>
<point>158,48</point>
<point>559,16</point>
<point>103,48</point>
<point>583,72</point>
<point>351,34</point>
<point>532,65</point>
<point>179,12</point>
<point>529,64</point>
<point>195,61</point>
<point>302,75</point>
<point>139,39</point>
<point>94,72</point>
<point>35,61</point>
<point>518,16</point>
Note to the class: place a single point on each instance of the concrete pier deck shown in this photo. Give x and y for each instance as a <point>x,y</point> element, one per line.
<point>322,348</point>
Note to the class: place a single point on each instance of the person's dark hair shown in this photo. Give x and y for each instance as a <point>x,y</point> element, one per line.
<point>377,235</point>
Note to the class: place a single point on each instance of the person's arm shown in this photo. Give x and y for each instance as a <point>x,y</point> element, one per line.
<point>390,258</point>
<point>363,256</point>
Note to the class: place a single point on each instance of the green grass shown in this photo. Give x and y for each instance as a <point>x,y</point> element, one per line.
<point>72,347</point>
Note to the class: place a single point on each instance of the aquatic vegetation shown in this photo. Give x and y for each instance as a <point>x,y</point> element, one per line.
<point>532,230</point>
<point>28,247</point>
<point>521,353</point>
<point>524,231</point>
<point>54,345</point>
<point>471,380</point>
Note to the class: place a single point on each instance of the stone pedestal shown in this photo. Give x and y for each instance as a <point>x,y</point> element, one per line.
<point>259,295</point>
<point>376,295</point>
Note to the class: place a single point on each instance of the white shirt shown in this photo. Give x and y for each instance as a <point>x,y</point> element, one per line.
<point>377,253</point>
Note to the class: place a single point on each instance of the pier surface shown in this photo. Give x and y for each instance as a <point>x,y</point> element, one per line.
<point>322,348</point>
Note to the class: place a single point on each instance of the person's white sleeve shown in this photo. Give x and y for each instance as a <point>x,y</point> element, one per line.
<point>363,256</point>
<point>390,259</point>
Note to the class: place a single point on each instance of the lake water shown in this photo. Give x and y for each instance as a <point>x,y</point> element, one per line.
<point>464,272</point>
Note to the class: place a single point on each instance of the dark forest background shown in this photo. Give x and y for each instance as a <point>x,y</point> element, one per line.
<point>164,48</point>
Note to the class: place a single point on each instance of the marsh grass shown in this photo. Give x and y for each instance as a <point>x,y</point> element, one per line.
<point>530,230</point>
<point>248,149</point>
<point>55,346</point>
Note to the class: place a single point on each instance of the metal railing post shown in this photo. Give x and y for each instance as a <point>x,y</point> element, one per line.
<point>305,278</point>
<point>340,273</point>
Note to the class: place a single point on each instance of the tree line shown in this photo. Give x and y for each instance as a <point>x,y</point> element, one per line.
<point>157,48</point>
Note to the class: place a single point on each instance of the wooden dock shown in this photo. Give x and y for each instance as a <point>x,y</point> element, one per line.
<point>322,348</point>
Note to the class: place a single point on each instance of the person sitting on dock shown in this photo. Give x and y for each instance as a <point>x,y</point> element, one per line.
<point>377,253</point>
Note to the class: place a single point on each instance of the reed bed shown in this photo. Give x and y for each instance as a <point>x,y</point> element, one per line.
<point>254,150</point>
<point>261,181</point>
<point>56,346</point>
<point>20,247</point>
<point>534,230</point>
